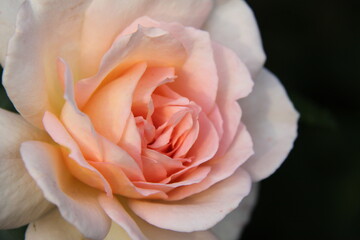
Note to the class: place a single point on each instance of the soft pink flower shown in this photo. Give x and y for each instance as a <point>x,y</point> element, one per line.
<point>130,123</point>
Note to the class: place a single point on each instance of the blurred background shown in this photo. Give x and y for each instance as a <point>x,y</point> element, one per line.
<point>314,49</point>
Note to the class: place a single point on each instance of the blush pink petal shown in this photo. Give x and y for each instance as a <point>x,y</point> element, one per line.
<point>34,35</point>
<point>198,212</point>
<point>110,106</point>
<point>52,226</point>
<point>76,161</point>
<point>81,208</point>
<point>272,120</point>
<point>21,199</point>
<point>241,33</point>
<point>97,38</point>
<point>121,184</point>
<point>118,214</point>
<point>234,83</point>
<point>7,24</point>
<point>151,45</point>
<point>221,167</point>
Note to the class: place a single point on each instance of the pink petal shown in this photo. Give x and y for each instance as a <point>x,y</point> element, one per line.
<point>272,123</point>
<point>241,33</point>
<point>110,106</point>
<point>77,202</point>
<point>198,212</point>
<point>21,199</point>
<point>97,39</point>
<point>151,45</point>
<point>52,226</point>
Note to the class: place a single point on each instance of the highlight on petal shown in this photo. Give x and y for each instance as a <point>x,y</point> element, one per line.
<point>21,199</point>
<point>35,35</point>
<point>232,226</point>
<point>97,38</point>
<point>272,121</point>
<point>52,226</point>
<point>232,23</point>
<point>198,212</point>
<point>76,201</point>
<point>9,9</point>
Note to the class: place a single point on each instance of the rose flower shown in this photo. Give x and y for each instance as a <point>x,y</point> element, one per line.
<point>129,123</point>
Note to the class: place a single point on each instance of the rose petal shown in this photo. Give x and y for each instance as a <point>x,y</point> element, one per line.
<point>77,202</point>
<point>119,215</point>
<point>21,199</point>
<point>272,121</point>
<point>97,38</point>
<point>35,36</point>
<point>7,24</point>
<point>232,23</point>
<point>198,212</point>
<point>52,226</point>
<point>154,46</point>
<point>232,226</point>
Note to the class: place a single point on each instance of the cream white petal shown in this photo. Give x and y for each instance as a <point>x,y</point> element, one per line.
<point>271,120</point>
<point>232,226</point>
<point>8,12</point>
<point>21,200</point>
<point>52,226</point>
<point>44,30</point>
<point>232,23</point>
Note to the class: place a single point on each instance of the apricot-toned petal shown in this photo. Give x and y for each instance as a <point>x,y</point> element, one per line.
<point>154,46</point>
<point>199,212</point>
<point>52,226</point>
<point>21,199</point>
<point>97,38</point>
<point>118,214</point>
<point>272,122</point>
<point>110,106</point>
<point>232,226</point>
<point>234,83</point>
<point>221,167</point>
<point>77,202</point>
<point>46,29</point>
<point>9,9</point>
<point>232,23</point>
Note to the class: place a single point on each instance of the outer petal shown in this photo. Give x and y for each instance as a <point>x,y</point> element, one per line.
<point>9,9</point>
<point>21,200</point>
<point>52,226</point>
<point>154,233</point>
<point>46,29</point>
<point>232,23</point>
<point>77,202</point>
<point>231,227</point>
<point>199,212</point>
<point>97,38</point>
<point>272,122</point>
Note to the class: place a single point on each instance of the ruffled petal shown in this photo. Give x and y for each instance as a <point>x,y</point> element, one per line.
<point>97,38</point>
<point>199,212</point>
<point>232,23</point>
<point>52,226</point>
<point>272,122</point>
<point>77,202</point>
<point>46,29</point>
<point>21,199</point>
<point>9,9</point>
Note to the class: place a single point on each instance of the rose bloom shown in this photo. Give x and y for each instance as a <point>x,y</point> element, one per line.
<point>129,123</point>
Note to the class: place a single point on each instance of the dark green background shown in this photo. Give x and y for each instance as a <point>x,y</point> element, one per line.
<point>313,46</point>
